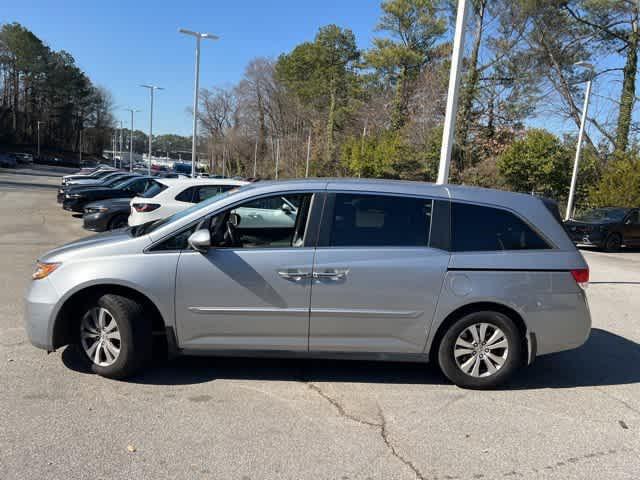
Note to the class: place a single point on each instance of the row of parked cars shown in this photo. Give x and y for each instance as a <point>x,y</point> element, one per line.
<point>12,159</point>
<point>110,198</point>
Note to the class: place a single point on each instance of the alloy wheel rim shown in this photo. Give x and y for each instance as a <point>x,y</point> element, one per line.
<point>100,336</point>
<point>481,350</point>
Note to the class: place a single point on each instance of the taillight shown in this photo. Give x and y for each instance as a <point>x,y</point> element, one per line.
<point>581,276</point>
<point>145,207</point>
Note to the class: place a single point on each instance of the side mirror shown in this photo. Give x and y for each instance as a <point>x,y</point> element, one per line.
<point>200,240</point>
<point>628,221</point>
<point>286,208</point>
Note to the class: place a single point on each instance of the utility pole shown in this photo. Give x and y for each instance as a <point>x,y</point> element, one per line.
<point>277,156</point>
<point>199,36</point>
<point>152,88</point>
<point>120,149</point>
<point>583,121</point>
<point>306,168</point>
<point>255,159</point>
<point>132,111</point>
<point>452,96</point>
<point>39,122</point>
<point>80,147</point>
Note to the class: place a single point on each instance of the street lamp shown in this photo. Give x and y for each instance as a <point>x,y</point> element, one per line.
<point>583,121</point>
<point>132,110</point>
<point>152,88</point>
<point>199,36</point>
<point>452,95</point>
<point>39,123</point>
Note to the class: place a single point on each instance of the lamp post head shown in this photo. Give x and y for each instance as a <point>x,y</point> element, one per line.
<point>209,36</point>
<point>583,64</point>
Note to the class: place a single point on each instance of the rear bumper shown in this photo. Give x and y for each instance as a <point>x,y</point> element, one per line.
<point>568,328</point>
<point>40,304</point>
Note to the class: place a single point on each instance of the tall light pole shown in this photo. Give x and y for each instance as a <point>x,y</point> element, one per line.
<point>583,121</point>
<point>452,96</point>
<point>199,36</point>
<point>120,144</point>
<point>132,111</point>
<point>80,147</point>
<point>152,88</point>
<point>39,123</point>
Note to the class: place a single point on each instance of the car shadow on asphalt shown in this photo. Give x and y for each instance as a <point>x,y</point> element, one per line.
<point>605,359</point>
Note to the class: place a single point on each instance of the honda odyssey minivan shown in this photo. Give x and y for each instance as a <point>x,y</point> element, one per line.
<point>478,281</point>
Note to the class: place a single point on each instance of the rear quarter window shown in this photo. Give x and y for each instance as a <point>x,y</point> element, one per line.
<point>154,189</point>
<point>476,228</point>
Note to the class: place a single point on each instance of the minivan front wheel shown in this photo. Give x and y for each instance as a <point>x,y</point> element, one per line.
<point>480,350</point>
<point>115,336</point>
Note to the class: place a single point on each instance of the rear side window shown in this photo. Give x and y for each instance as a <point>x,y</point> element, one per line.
<point>186,195</point>
<point>380,220</point>
<point>154,189</point>
<point>476,228</point>
<point>208,191</point>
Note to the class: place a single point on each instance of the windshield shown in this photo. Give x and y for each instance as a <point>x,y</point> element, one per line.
<point>154,225</point>
<point>603,215</point>
<point>124,183</point>
<point>117,179</point>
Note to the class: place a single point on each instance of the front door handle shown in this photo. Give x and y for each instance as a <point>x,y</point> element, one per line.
<point>332,274</point>
<point>294,274</point>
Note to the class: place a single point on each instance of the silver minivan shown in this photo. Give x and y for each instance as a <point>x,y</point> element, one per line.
<point>478,281</point>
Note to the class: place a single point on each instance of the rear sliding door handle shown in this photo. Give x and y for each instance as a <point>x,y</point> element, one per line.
<point>332,274</point>
<point>293,274</point>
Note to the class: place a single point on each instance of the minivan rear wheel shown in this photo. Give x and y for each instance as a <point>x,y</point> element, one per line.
<point>480,350</point>
<point>115,336</point>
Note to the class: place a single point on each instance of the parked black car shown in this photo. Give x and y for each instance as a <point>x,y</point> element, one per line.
<point>76,199</point>
<point>607,228</point>
<point>106,182</point>
<point>105,215</point>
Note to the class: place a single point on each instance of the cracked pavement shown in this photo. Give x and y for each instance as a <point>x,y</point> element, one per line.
<point>571,415</point>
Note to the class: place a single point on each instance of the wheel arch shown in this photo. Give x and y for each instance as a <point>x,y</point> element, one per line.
<point>471,308</point>
<point>67,315</point>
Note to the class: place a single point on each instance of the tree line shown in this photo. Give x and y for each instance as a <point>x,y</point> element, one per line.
<point>379,112</point>
<point>40,85</point>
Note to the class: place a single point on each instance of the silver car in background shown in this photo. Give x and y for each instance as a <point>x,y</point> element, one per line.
<point>478,281</point>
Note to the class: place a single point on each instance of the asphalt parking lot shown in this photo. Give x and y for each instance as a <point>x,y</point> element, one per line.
<point>570,415</point>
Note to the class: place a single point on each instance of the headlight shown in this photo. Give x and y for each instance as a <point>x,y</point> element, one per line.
<point>96,210</point>
<point>74,195</point>
<point>43,270</point>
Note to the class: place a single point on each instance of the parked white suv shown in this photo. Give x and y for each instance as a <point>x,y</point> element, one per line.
<point>172,195</point>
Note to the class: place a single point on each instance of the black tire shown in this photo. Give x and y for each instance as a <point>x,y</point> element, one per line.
<point>135,336</point>
<point>514,357</point>
<point>119,221</point>
<point>613,243</point>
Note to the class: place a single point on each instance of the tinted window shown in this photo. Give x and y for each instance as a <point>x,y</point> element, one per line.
<point>372,220</point>
<point>634,217</point>
<point>154,189</point>
<point>186,195</point>
<point>475,228</point>
<point>207,191</point>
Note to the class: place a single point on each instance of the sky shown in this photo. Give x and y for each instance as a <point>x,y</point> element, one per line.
<point>121,45</point>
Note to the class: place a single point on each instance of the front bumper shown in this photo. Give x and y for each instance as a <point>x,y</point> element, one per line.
<point>41,301</point>
<point>593,239</point>
<point>96,222</point>
<point>74,204</point>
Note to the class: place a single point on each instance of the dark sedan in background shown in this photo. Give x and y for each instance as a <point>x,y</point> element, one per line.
<point>104,215</point>
<point>76,199</point>
<point>106,182</point>
<point>607,228</point>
